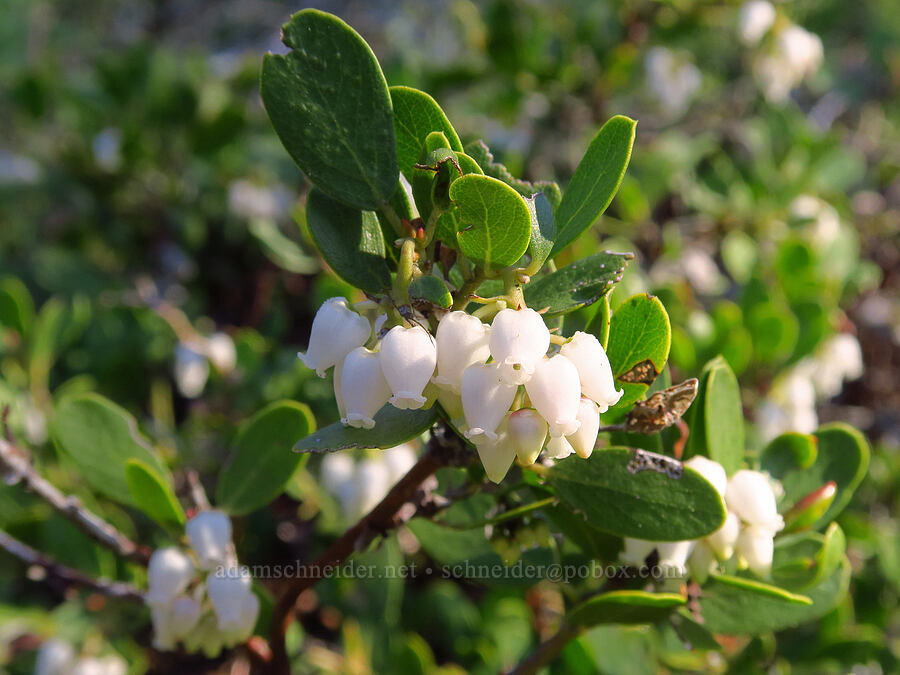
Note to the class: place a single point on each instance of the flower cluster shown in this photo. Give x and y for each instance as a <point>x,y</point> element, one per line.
<point>359,486</point>
<point>192,359</point>
<point>58,657</point>
<point>748,531</point>
<point>793,55</point>
<point>201,597</point>
<point>791,403</point>
<point>496,382</point>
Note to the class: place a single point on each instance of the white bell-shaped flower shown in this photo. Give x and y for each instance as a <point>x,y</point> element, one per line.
<point>711,470</point>
<point>585,437</point>
<point>399,460</point>
<point>371,483</point>
<point>209,534</point>
<point>485,399</point>
<point>168,574</point>
<point>723,540</point>
<point>462,339</point>
<point>673,555</point>
<point>755,19</point>
<point>228,590</point>
<point>221,351</point>
<point>497,455</point>
<point>242,630</point>
<point>750,496</point>
<point>55,657</point>
<point>338,392</point>
<point>527,431</point>
<point>336,331</point>
<point>408,357</point>
<point>555,392</point>
<point>107,665</point>
<point>558,447</point>
<point>363,387</point>
<point>519,339</point>
<point>191,370</point>
<point>755,546</point>
<point>636,551</point>
<point>702,561</point>
<point>184,613</point>
<point>594,371</point>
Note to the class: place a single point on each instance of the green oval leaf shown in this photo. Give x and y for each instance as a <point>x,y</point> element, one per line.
<point>152,494</point>
<point>789,451</point>
<point>262,462</point>
<point>620,496</point>
<point>431,289</point>
<point>329,103</point>
<point>494,219</point>
<point>625,607</point>
<point>16,306</point>
<point>100,437</point>
<point>748,607</point>
<point>351,242</point>
<point>543,230</point>
<point>577,285</point>
<point>392,427</point>
<point>416,115</point>
<point>639,339</point>
<point>717,418</point>
<point>842,456</point>
<point>595,181</point>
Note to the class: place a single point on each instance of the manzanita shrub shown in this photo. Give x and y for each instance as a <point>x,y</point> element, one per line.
<point>555,451</point>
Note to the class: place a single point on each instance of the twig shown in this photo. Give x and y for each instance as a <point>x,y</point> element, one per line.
<point>547,651</point>
<point>444,449</point>
<point>198,494</point>
<point>16,464</point>
<point>113,589</point>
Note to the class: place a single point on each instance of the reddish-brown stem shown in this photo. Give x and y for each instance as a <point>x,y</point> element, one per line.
<point>379,520</point>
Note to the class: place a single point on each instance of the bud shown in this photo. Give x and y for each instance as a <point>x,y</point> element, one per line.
<point>585,438</point>
<point>220,350</point>
<point>363,387</point>
<point>558,447</point>
<point>755,546</point>
<point>755,19</point>
<point>497,455</point>
<point>723,540</point>
<point>594,371</point>
<point>209,534</point>
<point>336,331</point>
<point>407,357</point>
<point>750,496</point>
<point>555,392</point>
<point>810,508</point>
<point>527,432</point>
<point>485,400</point>
<point>519,340</point>
<point>711,470</point>
<point>228,590</point>
<point>168,574</point>
<point>462,339</point>
<point>55,657</point>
